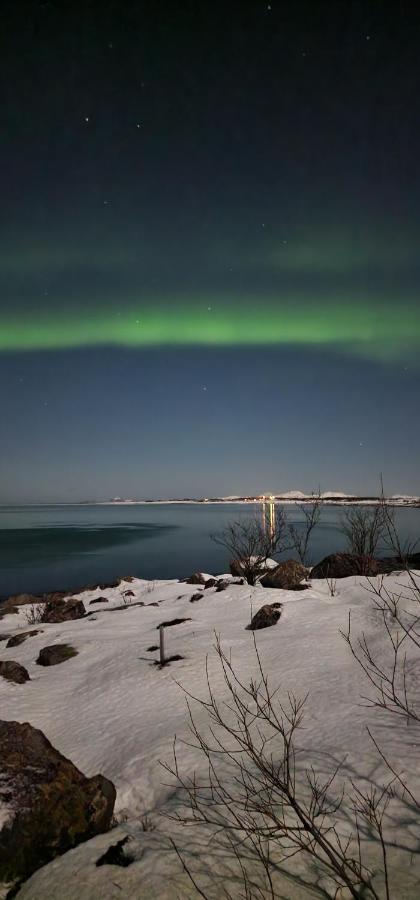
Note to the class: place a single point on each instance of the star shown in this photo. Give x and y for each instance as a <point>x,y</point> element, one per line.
<point>86,118</point>
<point>138,125</point>
<point>204,387</point>
<point>209,308</point>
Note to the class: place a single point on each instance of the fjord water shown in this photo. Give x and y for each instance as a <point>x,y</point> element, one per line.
<point>46,548</point>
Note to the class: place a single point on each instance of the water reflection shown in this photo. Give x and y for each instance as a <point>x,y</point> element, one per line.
<point>269,516</point>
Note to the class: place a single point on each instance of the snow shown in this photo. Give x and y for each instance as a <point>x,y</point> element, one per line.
<point>111,710</point>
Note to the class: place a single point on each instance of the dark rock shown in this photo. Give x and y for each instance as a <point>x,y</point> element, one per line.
<point>341,565</point>
<point>13,671</point>
<point>55,596</point>
<point>4,637</point>
<point>222,585</point>
<point>129,594</point>
<point>265,617</point>
<point>249,568</point>
<point>99,600</point>
<point>18,639</point>
<point>152,648</point>
<point>397,563</point>
<point>196,597</point>
<point>171,622</point>
<point>236,567</point>
<point>55,654</point>
<point>63,610</point>
<point>115,855</point>
<point>211,582</point>
<point>52,805</point>
<point>196,578</point>
<point>287,576</point>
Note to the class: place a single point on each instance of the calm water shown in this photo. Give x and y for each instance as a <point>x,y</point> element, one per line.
<point>48,548</point>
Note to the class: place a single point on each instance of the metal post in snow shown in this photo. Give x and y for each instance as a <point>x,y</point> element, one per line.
<point>161,646</point>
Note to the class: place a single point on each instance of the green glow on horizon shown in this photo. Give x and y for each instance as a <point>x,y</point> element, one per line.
<point>365,329</point>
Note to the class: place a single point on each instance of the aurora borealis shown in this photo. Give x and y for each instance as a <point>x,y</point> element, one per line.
<point>212,204</point>
<point>363,329</point>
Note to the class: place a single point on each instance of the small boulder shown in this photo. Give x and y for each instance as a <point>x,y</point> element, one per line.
<point>61,610</point>
<point>55,654</point>
<point>195,578</point>
<point>4,637</point>
<point>18,639</point>
<point>129,594</point>
<point>211,582</point>
<point>287,576</point>
<point>99,600</point>
<point>196,597</point>
<point>13,671</point>
<point>49,805</point>
<point>341,565</point>
<point>266,616</point>
<point>222,585</point>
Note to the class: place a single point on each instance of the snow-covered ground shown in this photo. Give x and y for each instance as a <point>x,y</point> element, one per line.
<point>112,710</point>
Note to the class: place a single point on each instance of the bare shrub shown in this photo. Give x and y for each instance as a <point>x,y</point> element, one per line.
<point>364,527</point>
<point>253,542</point>
<point>300,537</point>
<point>35,614</point>
<point>332,585</point>
<point>265,807</point>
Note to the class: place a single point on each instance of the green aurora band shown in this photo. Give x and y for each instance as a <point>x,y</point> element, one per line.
<point>371,330</point>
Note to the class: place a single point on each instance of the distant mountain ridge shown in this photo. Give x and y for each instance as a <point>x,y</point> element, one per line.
<point>327,497</point>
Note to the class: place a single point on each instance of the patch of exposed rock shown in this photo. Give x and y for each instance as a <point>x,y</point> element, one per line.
<point>50,805</point>
<point>18,639</point>
<point>195,578</point>
<point>13,671</point>
<point>287,575</point>
<point>266,616</point>
<point>341,565</point>
<point>55,654</point>
<point>62,610</point>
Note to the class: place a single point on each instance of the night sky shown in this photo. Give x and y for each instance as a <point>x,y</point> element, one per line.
<point>209,255</point>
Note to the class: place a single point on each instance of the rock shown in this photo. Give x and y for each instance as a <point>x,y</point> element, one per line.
<point>13,671</point>
<point>196,597</point>
<point>266,616</point>
<point>341,565</point>
<point>222,585</point>
<point>287,576</point>
<point>50,806</point>
<point>55,654</point>
<point>236,567</point>
<point>397,564</point>
<point>99,600</point>
<point>129,594</point>
<point>63,610</point>
<point>18,639</point>
<point>4,637</point>
<point>211,582</point>
<point>196,578</point>
<point>253,567</point>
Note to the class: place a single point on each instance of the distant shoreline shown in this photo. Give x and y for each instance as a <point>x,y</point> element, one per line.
<point>401,501</point>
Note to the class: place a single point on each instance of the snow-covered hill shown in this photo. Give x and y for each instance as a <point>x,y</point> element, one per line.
<point>111,709</point>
